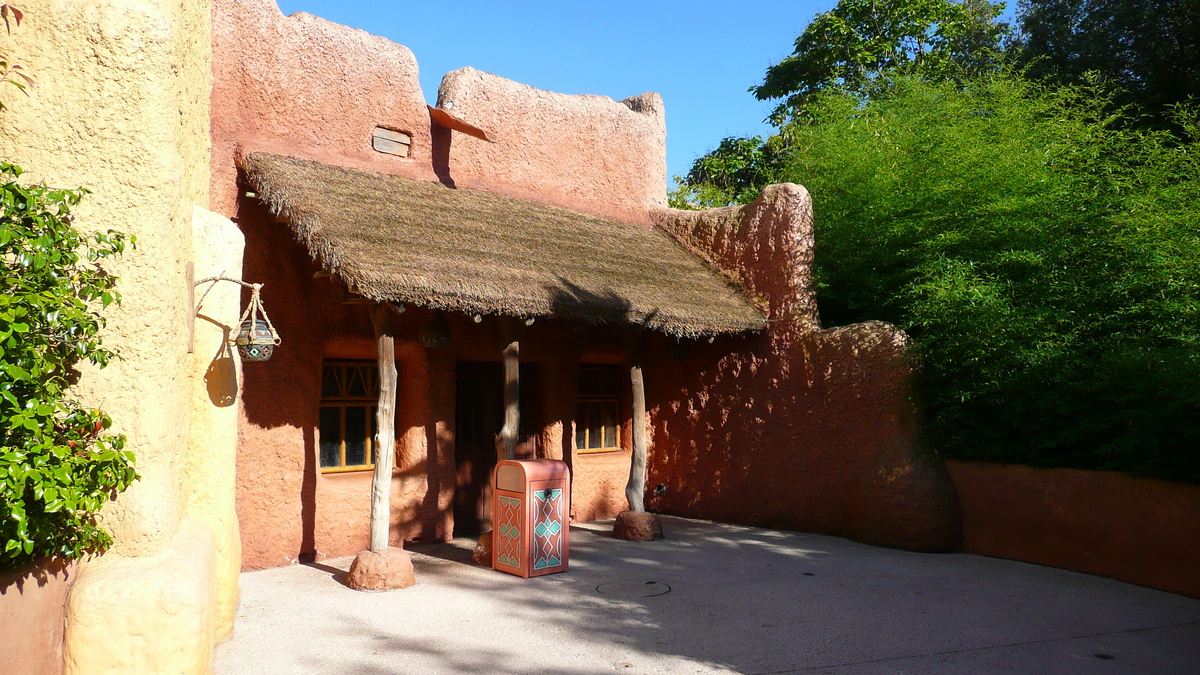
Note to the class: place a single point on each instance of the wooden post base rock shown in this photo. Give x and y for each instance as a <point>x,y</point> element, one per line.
<point>383,570</point>
<point>637,526</point>
<point>482,555</point>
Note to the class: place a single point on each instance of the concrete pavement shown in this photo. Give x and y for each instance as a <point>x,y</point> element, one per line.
<point>712,598</point>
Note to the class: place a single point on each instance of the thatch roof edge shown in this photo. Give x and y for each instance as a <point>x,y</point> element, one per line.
<point>306,229</point>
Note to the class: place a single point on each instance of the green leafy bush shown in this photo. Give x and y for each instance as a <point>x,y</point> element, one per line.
<point>58,465</point>
<point>1044,255</point>
<point>1043,252</point>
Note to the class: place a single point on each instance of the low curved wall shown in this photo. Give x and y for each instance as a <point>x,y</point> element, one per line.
<point>33,603</point>
<point>1138,530</point>
<point>797,428</point>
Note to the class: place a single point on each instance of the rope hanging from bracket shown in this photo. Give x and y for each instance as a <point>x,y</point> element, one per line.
<point>251,345</point>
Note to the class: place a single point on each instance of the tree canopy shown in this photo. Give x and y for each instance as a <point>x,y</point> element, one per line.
<point>851,45</point>
<point>1031,216</point>
<point>1148,50</point>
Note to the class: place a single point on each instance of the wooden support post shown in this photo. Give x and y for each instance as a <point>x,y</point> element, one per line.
<point>635,524</point>
<point>383,567</point>
<point>512,389</point>
<point>636,488</point>
<point>385,424</point>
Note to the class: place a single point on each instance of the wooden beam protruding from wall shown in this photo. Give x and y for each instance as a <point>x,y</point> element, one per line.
<point>385,424</point>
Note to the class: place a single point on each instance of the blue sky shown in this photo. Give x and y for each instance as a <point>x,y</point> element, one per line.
<point>701,56</point>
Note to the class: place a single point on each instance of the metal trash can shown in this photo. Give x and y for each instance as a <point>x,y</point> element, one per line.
<point>531,507</point>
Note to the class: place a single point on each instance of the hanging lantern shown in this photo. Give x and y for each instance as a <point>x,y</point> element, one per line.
<point>256,339</point>
<point>434,331</point>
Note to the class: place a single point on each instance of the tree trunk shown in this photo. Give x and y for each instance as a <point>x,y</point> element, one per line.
<point>385,424</point>
<point>512,391</point>
<point>636,488</point>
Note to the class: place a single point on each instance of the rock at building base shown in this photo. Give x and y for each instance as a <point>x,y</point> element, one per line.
<point>482,555</point>
<point>381,570</point>
<point>633,526</point>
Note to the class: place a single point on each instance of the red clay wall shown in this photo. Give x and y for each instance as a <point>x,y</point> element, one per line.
<point>302,86</point>
<point>305,87</point>
<point>1138,530</point>
<point>811,432</point>
<point>588,153</point>
<point>33,604</point>
<point>798,428</point>
<point>287,508</point>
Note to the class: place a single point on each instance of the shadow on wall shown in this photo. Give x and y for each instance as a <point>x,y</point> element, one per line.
<point>287,508</point>
<point>803,430</point>
<point>33,616</point>
<point>798,427</point>
<point>40,573</point>
<point>571,301</point>
<point>220,378</point>
<point>441,138</point>
<point>276,471</point>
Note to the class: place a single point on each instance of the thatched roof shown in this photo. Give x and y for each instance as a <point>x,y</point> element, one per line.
<point>479,252</point>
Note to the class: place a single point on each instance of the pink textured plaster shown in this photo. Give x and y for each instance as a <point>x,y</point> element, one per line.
<point>765,246</point>
<point>306,87</point>
<point>583,152</point>
<point>303,86</point>
<point>1138,530</point>
<point>288,509</point>
<point>33,602</point>
<point>799,427</point>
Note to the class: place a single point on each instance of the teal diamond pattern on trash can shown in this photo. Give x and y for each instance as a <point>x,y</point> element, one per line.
<point>547,528</point>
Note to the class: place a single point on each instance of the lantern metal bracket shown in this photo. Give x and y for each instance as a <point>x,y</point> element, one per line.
<point>212,281</point>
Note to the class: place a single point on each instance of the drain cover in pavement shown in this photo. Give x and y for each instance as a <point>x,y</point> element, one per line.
<point>633,589</point>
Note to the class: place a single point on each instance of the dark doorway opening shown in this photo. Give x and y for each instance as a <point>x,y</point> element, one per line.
<point>479,416</point>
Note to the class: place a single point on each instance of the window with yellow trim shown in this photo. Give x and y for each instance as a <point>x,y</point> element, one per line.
<point>598,406</point>
<point>349,395</point>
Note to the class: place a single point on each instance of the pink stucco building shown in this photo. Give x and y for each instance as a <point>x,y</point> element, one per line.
<point>349,189</point>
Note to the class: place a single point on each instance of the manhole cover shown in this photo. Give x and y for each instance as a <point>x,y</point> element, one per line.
<point>633,589</point>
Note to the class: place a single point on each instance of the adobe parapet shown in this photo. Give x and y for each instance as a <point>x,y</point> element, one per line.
<point>305,87</point>
<point>584,152</point>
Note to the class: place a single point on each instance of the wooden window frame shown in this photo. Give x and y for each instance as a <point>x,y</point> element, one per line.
<point>582,426</point>
<point>344,400</point>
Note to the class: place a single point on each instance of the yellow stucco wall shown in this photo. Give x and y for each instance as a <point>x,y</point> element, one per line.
<point>216,385</point>
<point>121,106</point>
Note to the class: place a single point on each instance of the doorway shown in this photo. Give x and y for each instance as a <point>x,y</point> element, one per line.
<point>478,418</point>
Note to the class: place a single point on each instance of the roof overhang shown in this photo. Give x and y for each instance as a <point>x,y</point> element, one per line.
<point>395,239</point>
